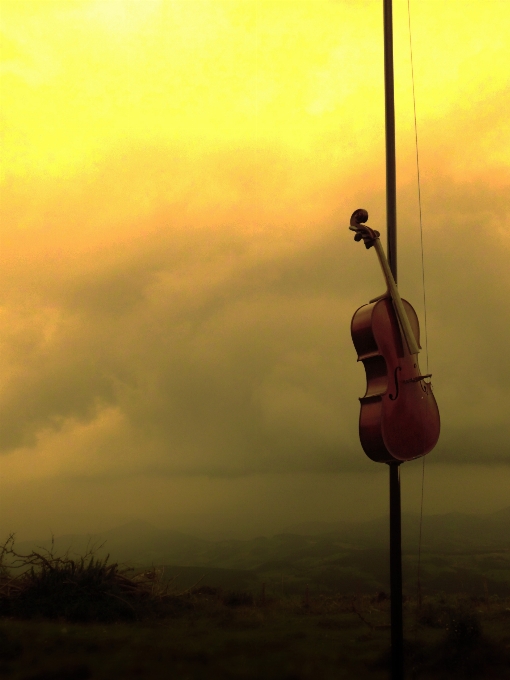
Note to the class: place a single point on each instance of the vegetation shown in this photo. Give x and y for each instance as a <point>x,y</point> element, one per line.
<point>82,589</point>
<point>65,618</point>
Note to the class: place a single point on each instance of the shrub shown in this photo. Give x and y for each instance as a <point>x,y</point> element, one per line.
<point>464,628</point>
<point>238,599</point>
<point>82,589</point>
<point>433,615</point>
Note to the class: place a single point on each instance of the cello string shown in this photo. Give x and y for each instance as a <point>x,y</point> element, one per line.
<point>424,309</point>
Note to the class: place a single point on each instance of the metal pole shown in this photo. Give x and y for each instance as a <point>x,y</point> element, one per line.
<point>397,633</point>
<point>389,105</point>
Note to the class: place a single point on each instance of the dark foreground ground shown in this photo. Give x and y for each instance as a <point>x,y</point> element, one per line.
<point>216,635</point>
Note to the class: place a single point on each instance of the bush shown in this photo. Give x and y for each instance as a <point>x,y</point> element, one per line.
<point>9,649</point>
<point>464,628</point>
<point>464,652</point>
<point>238,599</point>
<point>433,615</point>
<point>83,589</point>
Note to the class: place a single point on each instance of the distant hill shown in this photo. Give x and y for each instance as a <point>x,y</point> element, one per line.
<point>470,552</point>
<point>316,528</point>
<point>136,543</point>
<point>447,533</point>
<point>140,543</point>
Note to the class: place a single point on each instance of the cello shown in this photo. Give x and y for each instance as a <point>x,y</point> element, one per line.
<point>399,417</point>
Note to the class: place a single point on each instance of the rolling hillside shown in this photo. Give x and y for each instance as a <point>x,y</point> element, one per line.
<point>459,551</point>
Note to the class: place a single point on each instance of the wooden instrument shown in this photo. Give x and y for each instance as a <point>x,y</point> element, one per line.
<point>399,417</point>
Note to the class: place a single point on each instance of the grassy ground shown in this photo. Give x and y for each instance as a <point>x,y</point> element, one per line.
<point>64,618</point>
<point>218,636</point>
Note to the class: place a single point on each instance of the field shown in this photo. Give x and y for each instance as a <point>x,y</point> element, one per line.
<point>290,607</point>
<point>212,634</point>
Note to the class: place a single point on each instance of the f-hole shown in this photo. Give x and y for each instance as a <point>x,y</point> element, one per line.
<point>396,384</point>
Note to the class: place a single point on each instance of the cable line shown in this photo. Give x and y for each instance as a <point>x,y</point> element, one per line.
<point>419,189</point>
<point>424,302</point>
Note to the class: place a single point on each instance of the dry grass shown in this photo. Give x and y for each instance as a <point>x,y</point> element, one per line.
<point>229,634</point>
<point>85,588</point>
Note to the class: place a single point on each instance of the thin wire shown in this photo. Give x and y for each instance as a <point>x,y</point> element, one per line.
<point>424,308</point>
<point>419,190</point>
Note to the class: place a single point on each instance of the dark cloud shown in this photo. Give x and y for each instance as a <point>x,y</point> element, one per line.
<point>226,348</point>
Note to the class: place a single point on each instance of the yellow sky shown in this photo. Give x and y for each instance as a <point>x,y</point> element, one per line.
<point>82,78</point>
<point>173,177</point>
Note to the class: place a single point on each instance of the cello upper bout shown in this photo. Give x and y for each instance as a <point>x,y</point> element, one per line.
<point>361,332</point>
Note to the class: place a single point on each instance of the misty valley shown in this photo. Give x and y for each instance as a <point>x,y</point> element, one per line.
<point>459,553</point>
<point>310,602</point>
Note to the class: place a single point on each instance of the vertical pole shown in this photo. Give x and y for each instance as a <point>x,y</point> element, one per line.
<point>389,104</point>
<point>397,635</point>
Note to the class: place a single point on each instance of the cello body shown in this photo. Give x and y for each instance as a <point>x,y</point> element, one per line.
<point>399,417</point>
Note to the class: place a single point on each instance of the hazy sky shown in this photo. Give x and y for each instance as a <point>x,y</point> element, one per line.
<point>178,278</point>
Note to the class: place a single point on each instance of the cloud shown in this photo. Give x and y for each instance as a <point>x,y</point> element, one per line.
<point>193,319</point>
<point>178,280</point>
<point>185,329</point>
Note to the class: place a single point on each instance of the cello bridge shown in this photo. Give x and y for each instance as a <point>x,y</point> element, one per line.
<point>417,378</point>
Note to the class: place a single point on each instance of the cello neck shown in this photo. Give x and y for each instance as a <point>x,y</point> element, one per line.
<point>405,326</point>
